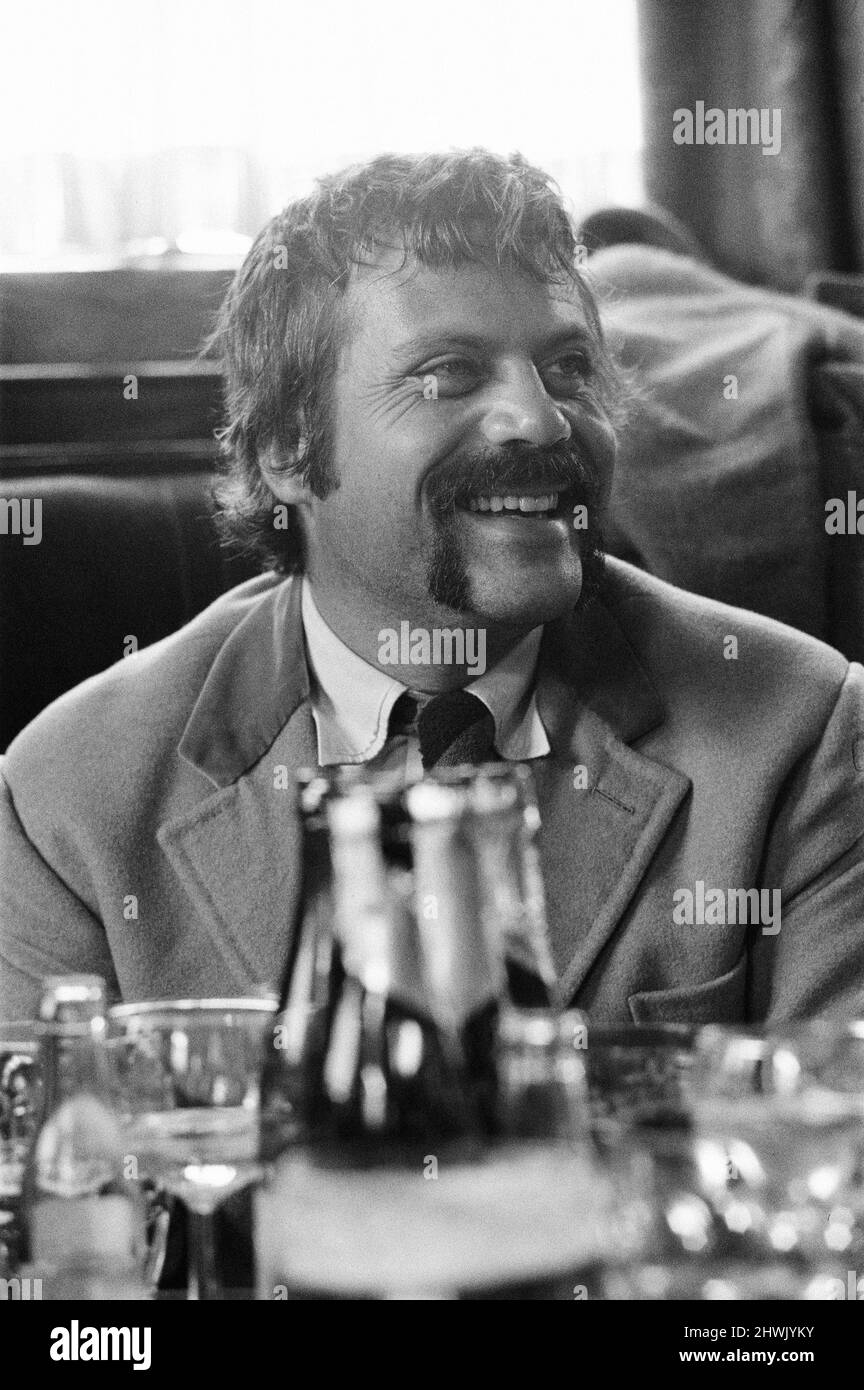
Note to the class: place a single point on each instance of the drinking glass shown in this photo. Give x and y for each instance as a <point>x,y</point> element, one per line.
<point>636,1078</point>
<point>778,1124</point>
<point>742,1149</point>
<point>188,1073</point>
<point>641,1126</point>
<point>20,1101</point>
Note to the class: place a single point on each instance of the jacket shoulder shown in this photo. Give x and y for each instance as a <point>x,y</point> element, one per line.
<point>727,655</point>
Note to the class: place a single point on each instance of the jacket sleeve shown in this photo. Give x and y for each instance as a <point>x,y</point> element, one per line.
<point>45,928</point>
<point>814,963</point>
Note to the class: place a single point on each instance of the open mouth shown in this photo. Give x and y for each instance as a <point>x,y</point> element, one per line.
<point>527,506</point>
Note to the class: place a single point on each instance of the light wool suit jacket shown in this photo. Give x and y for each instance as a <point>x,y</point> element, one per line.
<point>146,836</point>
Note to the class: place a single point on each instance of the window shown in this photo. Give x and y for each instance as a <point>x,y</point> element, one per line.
<point>178,128</point>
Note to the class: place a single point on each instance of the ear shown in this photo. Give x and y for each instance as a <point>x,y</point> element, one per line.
<point>280,468</point>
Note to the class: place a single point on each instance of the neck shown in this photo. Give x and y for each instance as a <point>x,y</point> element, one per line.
<point>429,651</point>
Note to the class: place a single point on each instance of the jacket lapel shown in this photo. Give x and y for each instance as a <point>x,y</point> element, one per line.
<point>238,852</point>
<point>604,807</point>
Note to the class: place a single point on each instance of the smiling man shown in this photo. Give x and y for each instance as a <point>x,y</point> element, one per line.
<point>421,423</point>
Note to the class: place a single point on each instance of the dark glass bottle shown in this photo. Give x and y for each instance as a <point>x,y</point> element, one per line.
<point>393,1079</point>
<point>384,1092</point>
<point>290,1076</point>
<point>355,1052</point>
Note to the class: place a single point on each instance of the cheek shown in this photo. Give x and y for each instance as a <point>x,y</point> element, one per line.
<point>593,431</point>
<point>376,491</point>
<point>373,512</point>
<point>382,460</point>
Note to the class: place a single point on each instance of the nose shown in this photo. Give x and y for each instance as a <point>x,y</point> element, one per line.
<point>523,410</point>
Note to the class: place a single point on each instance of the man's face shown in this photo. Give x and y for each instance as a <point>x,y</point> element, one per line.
<point>455,392</point>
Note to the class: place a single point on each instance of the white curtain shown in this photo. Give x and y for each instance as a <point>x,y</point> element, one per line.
<point>185,123</point>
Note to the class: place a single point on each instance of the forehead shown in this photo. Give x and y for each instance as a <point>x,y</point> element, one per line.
<point>398,305</point>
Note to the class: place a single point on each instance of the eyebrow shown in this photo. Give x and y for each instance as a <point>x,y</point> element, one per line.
<point>442,339</point>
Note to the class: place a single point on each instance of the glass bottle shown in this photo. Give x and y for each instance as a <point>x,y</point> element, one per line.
<point>84,1211</point>
<point>290,1082</point>
<point>384,1091</point>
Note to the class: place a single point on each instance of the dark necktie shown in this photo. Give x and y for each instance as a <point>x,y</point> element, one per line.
<point>452,729</point>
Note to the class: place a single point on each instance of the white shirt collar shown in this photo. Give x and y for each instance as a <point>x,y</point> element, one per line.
<point>352,700</point>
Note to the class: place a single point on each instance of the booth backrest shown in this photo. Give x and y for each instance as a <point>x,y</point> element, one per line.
<point>121,562</point>
<point>118,456</point>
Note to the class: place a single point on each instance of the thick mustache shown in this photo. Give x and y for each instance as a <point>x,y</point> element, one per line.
<point>499,472</point>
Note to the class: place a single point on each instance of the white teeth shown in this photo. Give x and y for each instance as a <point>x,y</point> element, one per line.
<point>538,504</point>
<point>545,503</point>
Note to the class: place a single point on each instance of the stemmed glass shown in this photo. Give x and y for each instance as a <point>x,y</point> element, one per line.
<point>188,1073</point>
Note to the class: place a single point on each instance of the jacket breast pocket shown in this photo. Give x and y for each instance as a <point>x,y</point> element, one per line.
<point>716,1001</point>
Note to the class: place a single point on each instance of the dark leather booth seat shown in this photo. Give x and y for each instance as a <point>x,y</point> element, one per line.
<point>129,556</point>
<point>128,547</point>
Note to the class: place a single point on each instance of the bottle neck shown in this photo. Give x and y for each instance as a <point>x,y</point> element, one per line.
<point>463,972</point>
<point>311,931</point>
<point>514,906</point>
<point>375,921</point>
<point>73,1062</point>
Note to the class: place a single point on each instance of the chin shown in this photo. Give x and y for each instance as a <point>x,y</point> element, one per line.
<point>525,604</point>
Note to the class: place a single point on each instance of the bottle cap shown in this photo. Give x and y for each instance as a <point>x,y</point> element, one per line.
<point>435,801</point>
<point>72,999</point>
<point>312,791</point>
<point>354,813</point>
